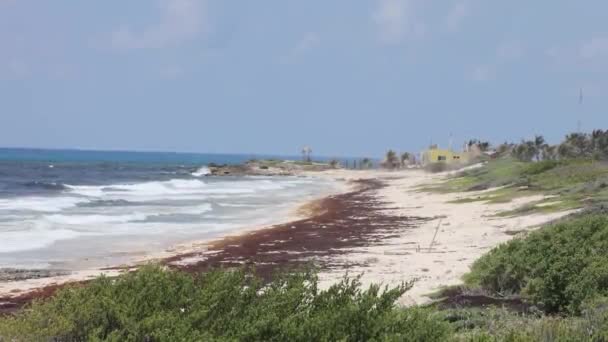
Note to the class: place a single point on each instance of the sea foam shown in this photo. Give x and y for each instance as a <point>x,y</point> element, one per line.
<point>41,204</point>
<point>202,171</point>
<point>39,236</point>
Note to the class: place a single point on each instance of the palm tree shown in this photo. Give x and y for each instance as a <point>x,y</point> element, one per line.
<point>391,160</point>
<point>580,144</point>
<point>599,141</point>
<point>504,148</point>
<point>550,152</point>
<point>531,150</point>
<point>564,150</point>
<point>524,151</point>
<point>405,157</point>
<point>484,146</point>
<point>366,163</point>
<point>539,146</point>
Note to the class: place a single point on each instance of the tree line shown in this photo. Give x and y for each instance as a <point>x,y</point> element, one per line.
<point>592,145</point>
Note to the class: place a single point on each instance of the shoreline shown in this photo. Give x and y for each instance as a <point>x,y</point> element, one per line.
<point>341,222</point>
<point>15,293</point>
<point>383,228</point>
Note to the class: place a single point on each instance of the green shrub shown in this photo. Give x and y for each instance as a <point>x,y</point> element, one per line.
<point>159,305</point>
<point>539,167</point>
<point>557,267</point>
<point>437,167</point>
<point>502,325</point>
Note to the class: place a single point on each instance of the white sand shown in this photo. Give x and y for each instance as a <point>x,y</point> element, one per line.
<point>466,231</point>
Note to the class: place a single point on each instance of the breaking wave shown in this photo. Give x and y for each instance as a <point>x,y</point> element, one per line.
<point>202,171</point>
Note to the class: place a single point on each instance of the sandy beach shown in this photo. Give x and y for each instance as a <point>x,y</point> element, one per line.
<point>384,228</point>
<point>447,239</point>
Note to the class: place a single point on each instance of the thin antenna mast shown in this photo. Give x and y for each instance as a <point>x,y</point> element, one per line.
<point>580,103</point>
<point>450,142</point>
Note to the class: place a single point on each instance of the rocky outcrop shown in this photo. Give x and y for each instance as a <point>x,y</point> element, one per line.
<point>15,274</point>
<point>266,168</point>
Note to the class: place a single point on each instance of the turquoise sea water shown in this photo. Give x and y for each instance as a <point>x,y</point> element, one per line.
<point>75,209</point>
<point>52,155</point>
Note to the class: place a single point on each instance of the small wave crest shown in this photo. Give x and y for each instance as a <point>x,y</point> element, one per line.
<point>44,185</point>
<point>202,171</point>
<point>173,186</point>
<point>94,219</point>
<point>42,204</point>
<point>238,205</point>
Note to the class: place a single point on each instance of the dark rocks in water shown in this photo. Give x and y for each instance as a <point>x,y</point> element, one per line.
<point>227,170</point>
<point>16,274</point>
<point>266,168</point>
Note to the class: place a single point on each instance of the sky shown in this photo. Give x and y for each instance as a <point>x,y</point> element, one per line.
<point>348,78</point>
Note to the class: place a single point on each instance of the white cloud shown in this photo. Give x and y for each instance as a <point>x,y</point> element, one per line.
<point>63,71</point>
<point>482,73</point>
<point>510,51</point>
<point>396,21</point>
<point>181,20</point>
<point>590,54</point>
<point>14,69</point>
<point>171,71</point>
<point>457,15</point>
<point>596,47</point>
<point>309,41</point>
<point>506,52</point>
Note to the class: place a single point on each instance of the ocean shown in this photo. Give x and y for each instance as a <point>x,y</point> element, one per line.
<point>73,209</point>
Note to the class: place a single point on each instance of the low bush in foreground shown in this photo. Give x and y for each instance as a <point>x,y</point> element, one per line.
<point>501,325</point>
<point>154,304</point>
<point>558,267</point>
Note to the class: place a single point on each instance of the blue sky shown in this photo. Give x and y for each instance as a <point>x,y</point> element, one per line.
<point>346,77</point>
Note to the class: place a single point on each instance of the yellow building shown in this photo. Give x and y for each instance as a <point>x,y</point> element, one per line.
<point>437,155</point>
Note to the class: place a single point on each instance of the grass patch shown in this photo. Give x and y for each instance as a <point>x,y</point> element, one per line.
<point>502,195</point>
<point>493,174</point>
<point>546,206</point>
<point>576,183</point>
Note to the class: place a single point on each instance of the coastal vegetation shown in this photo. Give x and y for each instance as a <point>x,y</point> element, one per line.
<point>557,268</point>
<point>575,146</point>
<point>405,158</point>
<point>558,275</point>
<point>366,163</point>
<point>392,160</point>
<point>155,304</point>
<point>566,180</point>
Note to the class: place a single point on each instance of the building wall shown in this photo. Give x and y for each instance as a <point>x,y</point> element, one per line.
<point>443,156</point>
